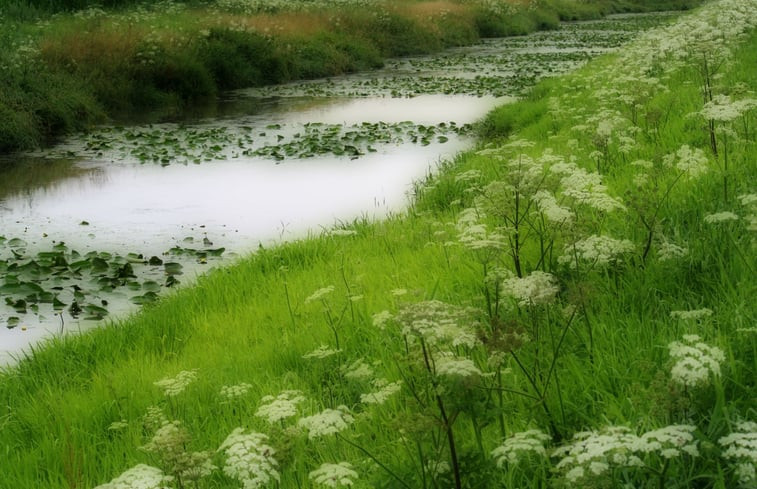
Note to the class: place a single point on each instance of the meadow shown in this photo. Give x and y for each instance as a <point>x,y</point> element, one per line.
<point>571,304</point>
<point>71,64</point>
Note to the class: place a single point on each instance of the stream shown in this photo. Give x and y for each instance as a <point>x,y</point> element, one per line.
<point>102,223</point>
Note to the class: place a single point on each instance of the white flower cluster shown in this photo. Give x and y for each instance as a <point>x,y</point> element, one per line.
<point>249,459</point>
<point>692,315</point>
<point>475,235</point>
<point>519,446</point>
<point>668,251</point>
<point>327,422</point>
<point>381,318</point>
<point>437,322</point>
<point>154,418</point>
<point>334,475</point>
<point>234,391</point>
<point>585,187</point>
<point>593,453</point>
<point>692,162</point>
<point>139,477</point>
<point>319,294</point>
<point>535,289</point>
<point>323,351</point>
<point>283,406</point>
<point>741,448</point>
<point>169,443</point>
<point>385,389</point>
<point>750,202</point>
<point>719,217</point>
<point>696,361</point>
<point>173,386</point>
<point>456,367</point>
<point>596,250</point>
<point>552,210</point>
<point>357,370</point>
<point>722,109</point>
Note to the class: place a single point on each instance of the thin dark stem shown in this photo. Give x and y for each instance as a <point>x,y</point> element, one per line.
<point>370,455</point>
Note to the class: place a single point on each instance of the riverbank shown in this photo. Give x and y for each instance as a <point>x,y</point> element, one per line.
<point>556,252</point>
<point>66,71</point>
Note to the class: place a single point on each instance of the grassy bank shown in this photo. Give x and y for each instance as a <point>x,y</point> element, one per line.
<point>70,64</point>
<point>571,305</point>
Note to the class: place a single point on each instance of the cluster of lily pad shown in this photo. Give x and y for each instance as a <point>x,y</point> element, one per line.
<point>61,279</point>
<point>166,144</point>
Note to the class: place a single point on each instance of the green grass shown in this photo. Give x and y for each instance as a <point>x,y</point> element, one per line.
<point>251,322</point>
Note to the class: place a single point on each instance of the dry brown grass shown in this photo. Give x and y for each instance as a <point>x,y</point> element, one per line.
<point>280,24</point>
<point>102,47</point>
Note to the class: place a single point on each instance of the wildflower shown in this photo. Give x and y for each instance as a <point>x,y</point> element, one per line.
<point>669,251</point>
<point>597,250</point>
<point>535,289</point>
<point>670,441</point>
<point>693,315</point>
<point>688,160</point>
<point>452,366</point>
<point>398,292</point>
<point>327,422</point>
<point>381,318</point>
<point>741,448</point>
<point>585,187</point>
<point>319,294</point>
<point>437,322</point>
<point>548,206</point>
<point>140,477</point>
<point>720,217</point>
<point>519,445</point>
<point>695,361</point>
<point>173,386</point>
<point>437,468</point>
<point>334,475</point>
<point>594,452</point>
<point>385,390</point>
<point>234,391</point>
<point>358,370</point>
<point>323,351</point>
<point>118,425</point>
<point>154,418</point>
<point>169,443</point>
<point>249,459</point>
<point>280,407</point>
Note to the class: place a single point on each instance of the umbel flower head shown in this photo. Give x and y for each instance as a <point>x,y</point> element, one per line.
<point>384,390</point>
<point>249,459</point>
<point>696,362</point>
<point>437,322</point>
<point>139,477</point>
<point>520,446</point>
<point>327,422</point>
<point>740,447</point>
<point>173,386</point>
<point>169,444</point>
<point>275,409</point>
<point>538,288</point>
<point>334,475</point>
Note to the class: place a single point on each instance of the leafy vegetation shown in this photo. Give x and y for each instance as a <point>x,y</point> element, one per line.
<point>65,72</point>
<point>523,325</point>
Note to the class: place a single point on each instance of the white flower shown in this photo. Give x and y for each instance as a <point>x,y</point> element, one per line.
<point>139,477</point>
<point>695,361</point>
<point>249,459</point>
<point>173,386</point>
<point>520,445</point>
<point>357,370</point>
<point>385,390</point>
<point>280,407</point>
<point>334,475</point>
<point>547,204</point>
<point>597,250</point>
<point>169,443</point>
<point>452,366</point>
<point>437,322</point>
<point>720,217</point>
<point>319,294</point>
<point>687,160</point>
<point>381,318</point>
<point>534,289</point>
<point>234,391</point>
<point>669,251</point>
<point>670,441</point>
<point>327,422</point>
<point>693,315</point>
<point>118,425</point>
<point>741,447</point>
<point>323,351</point>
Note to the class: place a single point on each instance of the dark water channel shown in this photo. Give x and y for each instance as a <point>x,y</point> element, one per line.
<point>102,222</point>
